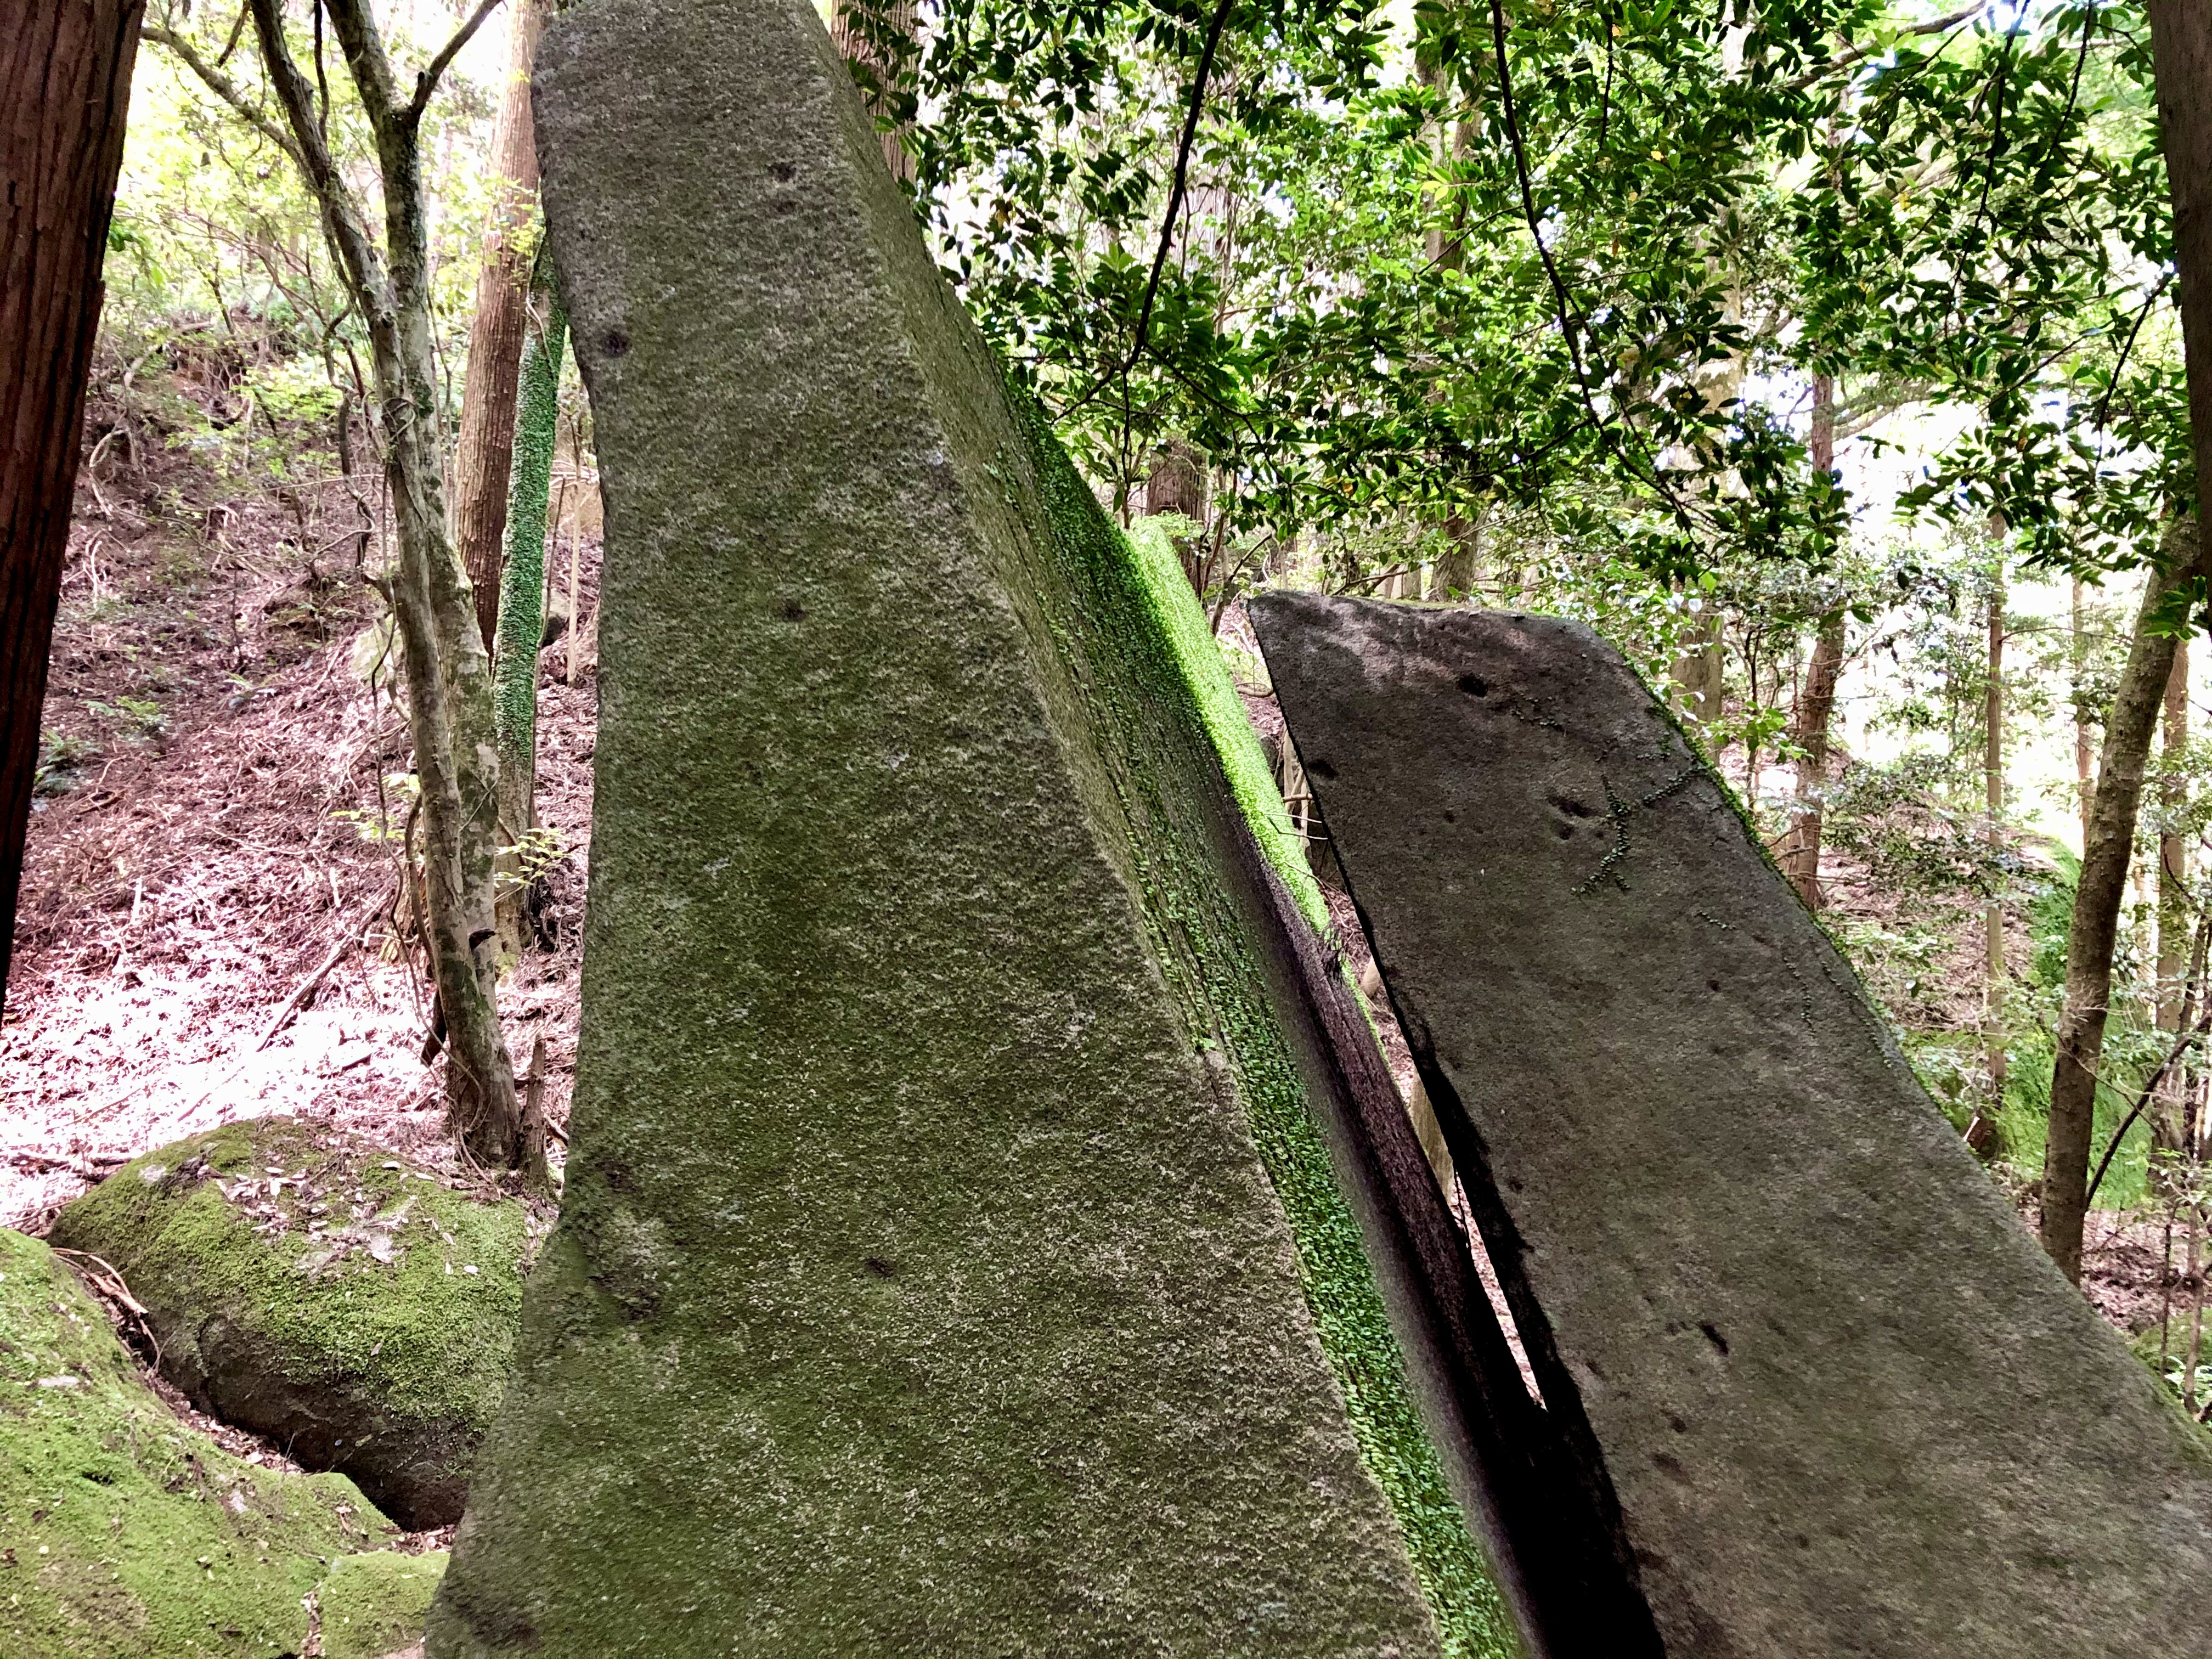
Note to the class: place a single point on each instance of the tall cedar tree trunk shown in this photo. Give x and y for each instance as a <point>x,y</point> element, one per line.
<point>1816,704</point>
<point>1993,800</point>
<point>2175,925</point>
<point>64,93</point>
<point>522,586</point>
<point>487,437</point>
<point>447,669</point>
<point>2181,58</point>
<point>877,39</point>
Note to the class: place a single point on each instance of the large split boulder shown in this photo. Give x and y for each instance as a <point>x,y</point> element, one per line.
<point>124,1533</point>
<point>1838,1401</point>
<point>958,1254</point>
<point>355,1308</point>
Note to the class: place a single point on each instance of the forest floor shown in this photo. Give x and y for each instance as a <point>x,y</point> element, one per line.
<point>221,814</point>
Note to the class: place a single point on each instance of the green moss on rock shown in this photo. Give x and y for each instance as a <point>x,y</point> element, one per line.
<point>1159,695</point>
<point>315,1289</point>
<point>374,1604</point>
<point>123,1532</point>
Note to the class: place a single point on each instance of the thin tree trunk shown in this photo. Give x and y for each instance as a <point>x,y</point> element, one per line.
<point>2085,777</point>
<point>447,667</point>
<point>2175,925</point>
<point>1176,484</point>
<point>575,558</point>
<point>879,39</point>
<point>522,591</point>
<point>487,437</point>
<point>1451,579</point>
<point>1816,700</point>
<point>2094,928</point>
<point>2181,58</point>
<point>65,94</point>
<point>1697,672</point>
<point>2194,1352</point>
<point>1993,775</point>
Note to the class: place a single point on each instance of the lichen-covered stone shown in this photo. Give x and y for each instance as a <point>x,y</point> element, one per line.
<point>949,1262</point>
<point>374,1604</point>
<point>1845,1405</point>
<point>311,1287</point>
<point>124,1534</point>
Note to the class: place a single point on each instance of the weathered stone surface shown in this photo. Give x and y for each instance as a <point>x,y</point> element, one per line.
<point>311,1287</point>
<point>124,1534</point>
<point>950,1261</point>
<point>1845,1404</point>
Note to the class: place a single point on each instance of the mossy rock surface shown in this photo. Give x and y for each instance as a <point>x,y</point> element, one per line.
<point>124,1531</point>
<point>354,1308</point>
<point>375,1604</point>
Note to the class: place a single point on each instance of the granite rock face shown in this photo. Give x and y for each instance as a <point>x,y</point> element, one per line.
<point>945,1265</point>
<point>1843,1403</point>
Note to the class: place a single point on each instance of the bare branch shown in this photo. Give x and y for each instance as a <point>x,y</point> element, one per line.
<point>427,82</point>
<point>222,86</point>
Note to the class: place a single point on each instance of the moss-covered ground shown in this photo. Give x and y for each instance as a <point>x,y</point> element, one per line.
<point>375,1604</point>
<point>1135,640</point>
<point>123,1534</point>
<point>312,1287</point>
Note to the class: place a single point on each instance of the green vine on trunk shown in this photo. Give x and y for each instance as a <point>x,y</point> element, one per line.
<point>522,585</point>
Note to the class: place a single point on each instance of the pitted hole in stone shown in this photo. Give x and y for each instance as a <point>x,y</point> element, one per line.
<point>1672,1467</point>
<point>1320,768</point>
<point>1676,1423</point>
<point>614,343</point>
<point>793,611</point>
<point>1713,1336</point>
<point>1573,808</point>
<point>881,1268</point>
<point>783,172</point>
<point>1474,685</point>
<point>785,206</point>
<point>1712,985</point>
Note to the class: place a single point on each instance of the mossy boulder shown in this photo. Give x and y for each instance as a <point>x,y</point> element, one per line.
<point>123,1532</point>
<point>356,1309</point>
<point>374,1604</point>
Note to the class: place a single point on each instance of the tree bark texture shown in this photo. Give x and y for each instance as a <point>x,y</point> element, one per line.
<point>2175,925</point>
<point>1816,703</point>
<point>2181,57</point>
<point>447,670</point>
<point>879,40</point>
<point>2097,896</point>
<point>64,96</point>
<point>1451,579</point>
<point>1993,778</point>
<point>522,588</point>
<point>2085,769</point>
<point>486,435</point>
